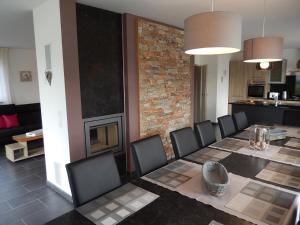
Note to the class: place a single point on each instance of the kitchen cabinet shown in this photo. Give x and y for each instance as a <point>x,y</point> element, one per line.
<point>240,75</point>
<point>237,81</point>
<point>278,72</point>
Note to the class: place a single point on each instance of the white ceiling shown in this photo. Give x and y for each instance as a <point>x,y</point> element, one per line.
<point>283,16</point>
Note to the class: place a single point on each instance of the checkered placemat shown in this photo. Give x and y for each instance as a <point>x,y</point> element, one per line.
<point>115,206</point>
<point>293,142</point>
<point>287,155</point>
<point>207,154</point>
<point>266,204</point>
<point>243,135</point>
<point>230,144</point>
<point>281,174</point>
<point>173,175</point>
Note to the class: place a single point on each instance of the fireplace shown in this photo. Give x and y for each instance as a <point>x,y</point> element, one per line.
<point>104,133</point>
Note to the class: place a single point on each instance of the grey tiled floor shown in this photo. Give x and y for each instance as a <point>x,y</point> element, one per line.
<point>24,197</point>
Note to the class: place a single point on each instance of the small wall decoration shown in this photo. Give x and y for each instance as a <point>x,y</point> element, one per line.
<point>25,76</point>
<point>48,75</point>
<point>48,72</point>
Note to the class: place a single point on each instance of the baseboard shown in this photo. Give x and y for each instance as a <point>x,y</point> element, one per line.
<point>60,192</point>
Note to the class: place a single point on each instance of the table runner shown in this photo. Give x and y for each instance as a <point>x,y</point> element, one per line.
<point>117,205</point>
<point>281,174</point>
<point>274,153</point>
<point>195,188</point>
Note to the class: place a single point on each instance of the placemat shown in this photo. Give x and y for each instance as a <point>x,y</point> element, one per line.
<point>281,174</point>
<point>266,204</point>
<point>243,135</point>
<point>207,154</point>
<point>287,155</point>
<point>174,174</point>
<point>230,144</point>
<point>115,206</point>
<point>293,142</point>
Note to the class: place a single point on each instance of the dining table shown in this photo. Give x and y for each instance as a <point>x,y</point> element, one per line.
<point>189,203</point>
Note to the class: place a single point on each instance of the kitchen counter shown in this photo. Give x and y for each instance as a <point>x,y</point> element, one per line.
<point>266,112</point>
<point>268,102</point>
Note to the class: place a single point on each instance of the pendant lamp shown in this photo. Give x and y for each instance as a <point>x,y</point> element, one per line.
<point>212,33</point>
<point>263,49</point>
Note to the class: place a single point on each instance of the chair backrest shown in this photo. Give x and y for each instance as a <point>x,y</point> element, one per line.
<point>92,177</point>
<point>240,121</point>
<point>226,125</point>
<point>149,154</point>
<point>291,118</point>
<point>205,133</point>
<point>184,142</point>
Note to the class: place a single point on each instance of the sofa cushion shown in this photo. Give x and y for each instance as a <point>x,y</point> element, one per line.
<point>11,120</point>
<point>2,122</point>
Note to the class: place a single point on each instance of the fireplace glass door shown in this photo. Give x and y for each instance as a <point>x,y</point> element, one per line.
<point>104,137</point>
<point>104,134</point>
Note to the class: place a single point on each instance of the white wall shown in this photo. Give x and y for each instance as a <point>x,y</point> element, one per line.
<point>211,63</point>
<point>217,85</point>
<point>23,60</point>
<point>47,26</point>
<point>222,85</point>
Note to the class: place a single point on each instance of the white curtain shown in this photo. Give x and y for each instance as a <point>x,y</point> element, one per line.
<point>5,96</point>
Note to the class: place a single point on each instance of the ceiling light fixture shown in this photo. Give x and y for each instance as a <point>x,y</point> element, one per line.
<point>264,66</point>
<point>263,49</point>
<point>212,33</point>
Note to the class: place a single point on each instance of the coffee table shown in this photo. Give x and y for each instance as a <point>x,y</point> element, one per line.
<point>26,147</point>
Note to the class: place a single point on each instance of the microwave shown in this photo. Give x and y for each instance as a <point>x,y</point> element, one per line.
<point>256,90</point>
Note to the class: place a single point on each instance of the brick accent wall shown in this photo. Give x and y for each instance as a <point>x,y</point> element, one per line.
<point>164,81</point>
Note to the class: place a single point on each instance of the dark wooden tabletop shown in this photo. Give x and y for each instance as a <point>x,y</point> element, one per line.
<point>172,208</point>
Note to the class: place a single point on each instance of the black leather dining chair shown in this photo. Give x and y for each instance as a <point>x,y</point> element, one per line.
<point>226,125</point>
<point>291,118</point>
<point>92,177</point>
<point>184,142</point>
<point>148,154</point>
<point>240,121</point>
<point>205,133</point>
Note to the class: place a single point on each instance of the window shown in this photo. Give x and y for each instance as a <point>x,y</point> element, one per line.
<point>5,97</point>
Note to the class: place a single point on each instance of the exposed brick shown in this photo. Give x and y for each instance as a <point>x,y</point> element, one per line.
<point>164,81</point>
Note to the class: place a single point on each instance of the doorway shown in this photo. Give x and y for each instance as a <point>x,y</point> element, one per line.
<point>200,93</point>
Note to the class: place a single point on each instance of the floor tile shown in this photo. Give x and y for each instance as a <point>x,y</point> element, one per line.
<point>18,213</point>
<point>24,199</point>
<point>4,207</point>
<point>37,184</point>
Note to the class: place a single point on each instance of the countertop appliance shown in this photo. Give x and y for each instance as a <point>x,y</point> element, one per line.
<point>273,95</point>
<point>256,90</point>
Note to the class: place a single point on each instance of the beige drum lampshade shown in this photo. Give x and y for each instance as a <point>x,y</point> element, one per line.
<point>212,33</point>
<point>263,49</point>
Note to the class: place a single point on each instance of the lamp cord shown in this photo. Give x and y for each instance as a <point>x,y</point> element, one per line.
<point>212,5</point>
<point>264,19</point>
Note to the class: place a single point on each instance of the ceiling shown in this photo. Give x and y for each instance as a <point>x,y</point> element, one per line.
<point>283,17</point>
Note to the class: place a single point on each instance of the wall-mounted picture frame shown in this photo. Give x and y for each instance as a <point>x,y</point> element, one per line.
<point>25,76</point>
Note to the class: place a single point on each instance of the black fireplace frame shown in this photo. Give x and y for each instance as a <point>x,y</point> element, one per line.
<point>105,120</point>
